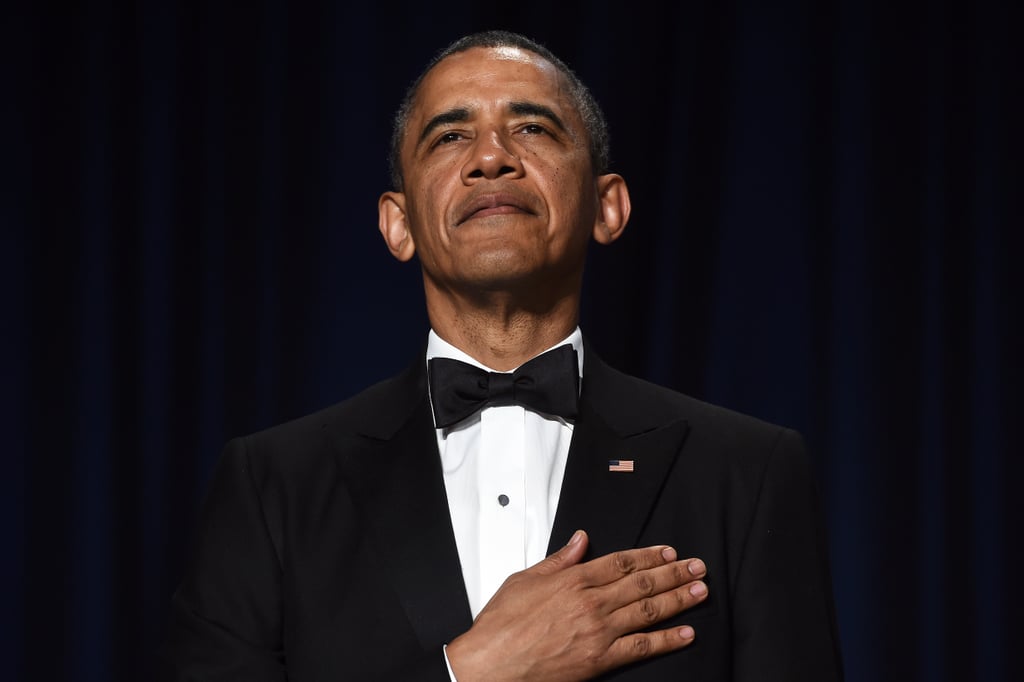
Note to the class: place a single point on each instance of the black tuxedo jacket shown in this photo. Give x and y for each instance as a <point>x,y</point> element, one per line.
<point>325,549</point>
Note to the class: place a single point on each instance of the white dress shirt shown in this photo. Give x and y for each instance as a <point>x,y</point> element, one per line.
<point>503,469</point>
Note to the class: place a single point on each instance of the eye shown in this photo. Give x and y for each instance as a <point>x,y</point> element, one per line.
<point>533,129</point>
<point>448,138</point>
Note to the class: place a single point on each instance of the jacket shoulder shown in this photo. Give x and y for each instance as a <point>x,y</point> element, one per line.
<point>375,412</point>
<point>639,401</point>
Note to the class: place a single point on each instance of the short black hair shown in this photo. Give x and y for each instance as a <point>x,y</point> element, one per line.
<point>587,107</point>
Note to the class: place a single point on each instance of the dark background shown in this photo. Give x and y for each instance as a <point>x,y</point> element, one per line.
<point>826,234</point>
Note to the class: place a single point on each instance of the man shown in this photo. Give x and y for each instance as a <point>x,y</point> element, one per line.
<point>373,540</point>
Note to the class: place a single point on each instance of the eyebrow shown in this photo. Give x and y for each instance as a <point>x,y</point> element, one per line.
<point>462,114</point>
<point>456,115</point>
<point>534,109</point>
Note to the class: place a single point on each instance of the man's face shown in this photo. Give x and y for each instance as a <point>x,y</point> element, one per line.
<point>498,185</point>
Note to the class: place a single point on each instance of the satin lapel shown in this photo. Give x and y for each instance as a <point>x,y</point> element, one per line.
<point>396,480</point>
<point>613,506</point>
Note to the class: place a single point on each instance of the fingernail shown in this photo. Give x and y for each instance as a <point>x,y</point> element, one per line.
<point>686,632</point>
<point>668,554</point>
<point>696,567</point>
<point>575,539</point>
<point>698,589</point>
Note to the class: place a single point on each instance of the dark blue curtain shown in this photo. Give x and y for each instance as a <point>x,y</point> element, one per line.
<point>826,234</point>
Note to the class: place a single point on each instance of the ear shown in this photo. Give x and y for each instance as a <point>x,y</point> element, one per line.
<point>394,227</point>
<point>612,208</point>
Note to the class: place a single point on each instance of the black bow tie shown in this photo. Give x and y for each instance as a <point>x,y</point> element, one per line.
<point>549,384</point>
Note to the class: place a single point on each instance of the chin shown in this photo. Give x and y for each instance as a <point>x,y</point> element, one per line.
<point>500,265</point>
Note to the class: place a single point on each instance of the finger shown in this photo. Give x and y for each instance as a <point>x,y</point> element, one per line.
<point>653,581</point>
<point>645,612</point>
<point>569,555</point>
<point>612,567</point>
<point>636,647</point>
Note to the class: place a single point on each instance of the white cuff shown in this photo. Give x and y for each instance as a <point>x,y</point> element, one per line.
<point>444,650</point>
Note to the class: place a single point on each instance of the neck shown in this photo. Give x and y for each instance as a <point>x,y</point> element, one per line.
<point>499,331</point>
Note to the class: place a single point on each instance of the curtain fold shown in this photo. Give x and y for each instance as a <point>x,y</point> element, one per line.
<point>826,234</point>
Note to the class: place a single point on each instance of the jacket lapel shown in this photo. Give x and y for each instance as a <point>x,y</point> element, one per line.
<point>389,454</point>
<point>614,424</point>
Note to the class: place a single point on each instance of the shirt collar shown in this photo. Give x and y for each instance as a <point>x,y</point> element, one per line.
<point>439,348</point>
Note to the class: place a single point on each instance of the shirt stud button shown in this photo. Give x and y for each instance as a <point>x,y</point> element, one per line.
<point>503,500</point>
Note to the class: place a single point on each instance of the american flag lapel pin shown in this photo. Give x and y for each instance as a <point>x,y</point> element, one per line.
<point>625,465</point>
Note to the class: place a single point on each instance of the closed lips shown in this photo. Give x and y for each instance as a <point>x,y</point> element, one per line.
<point>493,204</point>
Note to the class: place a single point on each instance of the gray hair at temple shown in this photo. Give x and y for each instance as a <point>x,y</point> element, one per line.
<point>587,107</point>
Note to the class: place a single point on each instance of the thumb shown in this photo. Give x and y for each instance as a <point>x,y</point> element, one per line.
<point>569,555</point>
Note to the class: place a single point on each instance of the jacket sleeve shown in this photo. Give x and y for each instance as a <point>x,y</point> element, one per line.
<point>784,620</point>
<point>226,616</point>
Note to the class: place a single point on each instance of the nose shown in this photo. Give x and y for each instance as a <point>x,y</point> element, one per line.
<point>491,158</point>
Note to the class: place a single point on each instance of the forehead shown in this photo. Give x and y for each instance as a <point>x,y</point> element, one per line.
<point>485,77</point>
